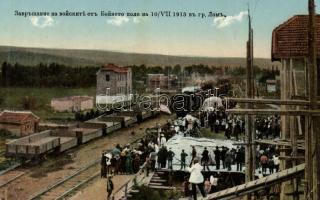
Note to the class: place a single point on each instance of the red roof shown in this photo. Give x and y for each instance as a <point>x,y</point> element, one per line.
<point>17,117</point>
<point>290,39</point>
<point>115,68</point>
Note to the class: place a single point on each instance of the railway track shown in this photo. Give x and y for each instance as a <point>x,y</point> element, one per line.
<point>13,175</point>
<point>64,187</point>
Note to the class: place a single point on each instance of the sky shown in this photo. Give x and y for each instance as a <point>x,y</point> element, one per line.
<point>187,36</point>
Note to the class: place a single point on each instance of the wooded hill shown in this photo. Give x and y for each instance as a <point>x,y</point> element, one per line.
<point>72,57</point>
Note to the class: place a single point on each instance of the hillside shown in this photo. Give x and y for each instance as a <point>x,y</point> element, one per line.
<point>72,57</point>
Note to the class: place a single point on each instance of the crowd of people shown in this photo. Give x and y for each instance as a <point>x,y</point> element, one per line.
<point>218,120</point>
<point>221,157</point>
<point>153,152</point>
<point>268,127</point>
<point>267,159</point>
<point>125,160</point>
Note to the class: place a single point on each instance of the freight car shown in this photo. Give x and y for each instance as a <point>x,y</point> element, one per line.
<point>64,137</point>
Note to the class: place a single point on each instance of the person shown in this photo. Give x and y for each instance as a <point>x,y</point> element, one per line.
<point>196,178</point>
<point>103,166</point>
<point>214,183</point>
<point>116,157</point>
<point>239,159</point>
<point>228,161</point>
<point>152,157</point>
<point>216,126</point>
<point>170,156</point>
<point>228,130</point>
<point>136,163</point>
<point>223,156</point>
<point>183,159</point>
<point>217,154</point>
<point>194,154</point>
<point>129,169</point>
<point>264,163</point>
<point>207,186</point>
<point>276,162</point>
<point>109,186</point>
<point>205,159</point>
<point>186,188</point>
<point>271,165</point>
<point>159,158</point>
<point>148,165</point>
<point>163,140</point>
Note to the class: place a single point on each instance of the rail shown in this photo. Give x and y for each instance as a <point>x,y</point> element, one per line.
<point>78,172</point>
<point>51,187</point>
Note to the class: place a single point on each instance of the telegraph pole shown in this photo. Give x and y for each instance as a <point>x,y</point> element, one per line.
<point>249,159</point>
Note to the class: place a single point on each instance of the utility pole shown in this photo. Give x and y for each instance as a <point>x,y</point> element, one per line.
<point>312,139</point>
<point>249,159</point>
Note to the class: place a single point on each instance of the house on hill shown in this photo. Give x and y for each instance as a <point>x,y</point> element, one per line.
<point>72,103</point>
<point>114,84</point>
<point>20,123</point>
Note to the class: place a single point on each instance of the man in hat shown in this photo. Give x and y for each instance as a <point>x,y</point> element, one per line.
<point>205,159</point>
<point>103,165</point>
<point>170,156</point>
<point>109,186</point>
<point>217,154</point>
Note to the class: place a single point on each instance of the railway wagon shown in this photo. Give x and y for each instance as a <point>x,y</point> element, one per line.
<point>67,143</point>
<point>106,126</point>
<point>141,115</point>
<point>124,120</point>
<point>33,145</point>
<point>84,135</point>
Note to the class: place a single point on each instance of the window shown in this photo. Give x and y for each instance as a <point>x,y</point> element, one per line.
<point>107,77</point>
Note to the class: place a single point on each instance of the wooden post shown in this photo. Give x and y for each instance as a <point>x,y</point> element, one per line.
<point>313,141</point>
<point>249,159</point>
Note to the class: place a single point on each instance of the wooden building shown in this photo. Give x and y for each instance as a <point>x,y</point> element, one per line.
<point>290,47</point>
<point>20,123</point>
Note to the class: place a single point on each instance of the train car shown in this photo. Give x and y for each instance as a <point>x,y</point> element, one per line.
<point>107,126</point>
<point>33,146</point>
<point>124,120</point>
<point>84,135</point>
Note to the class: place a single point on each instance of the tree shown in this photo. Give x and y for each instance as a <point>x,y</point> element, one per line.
<point>28,103</point>
<point>176,69</point>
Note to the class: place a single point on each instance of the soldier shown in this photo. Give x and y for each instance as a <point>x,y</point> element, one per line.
<point>109,186</point>
<point>217,154</point>
<point>223,156</point>
<point>205,159</point>
<point>194,155</point>
<point>183,159</point>
<point>170,158</point>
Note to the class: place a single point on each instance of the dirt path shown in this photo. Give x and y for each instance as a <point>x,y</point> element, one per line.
<point>57,167</point>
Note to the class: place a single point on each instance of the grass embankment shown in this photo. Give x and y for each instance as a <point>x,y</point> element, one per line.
<point>13,99</point>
